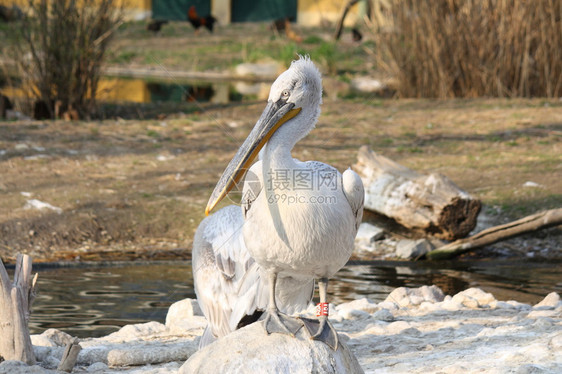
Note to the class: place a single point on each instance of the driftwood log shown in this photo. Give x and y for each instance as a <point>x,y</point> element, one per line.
<point>69,356</point>
<point>495,234</point>
<point>430,203</point>
<point>15,308</point>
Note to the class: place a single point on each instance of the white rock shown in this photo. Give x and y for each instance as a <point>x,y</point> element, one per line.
<point>18,367</point>
<point>182,310</point>
<point>367,85</point>
<point>389,305</point>
<point>407,297</point>
<point>369,233</point>
<point>21,147</point>
<point>97,367</point>
<point>556,342</point>
<point>360,308</point>
<point>36,157</point>
<point>397,327</point>
<point>531,184</point>
<point>165,157</point>
<point>40,205</point>
<point>474,298</point>
<point>410,249</point>
<point>43,341</point>
<point>540,313</point>
<point>550,301</point>
<point>383,315</point>
<point>186,325</point>
<point>129,332</point>
<point>59,338</point>
<point>251,350</point>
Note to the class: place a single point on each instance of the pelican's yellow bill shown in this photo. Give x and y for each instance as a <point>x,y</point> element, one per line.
<point>244,158</point>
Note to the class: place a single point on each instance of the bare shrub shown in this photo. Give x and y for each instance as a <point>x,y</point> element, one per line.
<point>62,47</point>
<point>470,48</point>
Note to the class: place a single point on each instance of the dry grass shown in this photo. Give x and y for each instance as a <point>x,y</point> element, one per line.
<point>144,184</point>
<point>472,48</point>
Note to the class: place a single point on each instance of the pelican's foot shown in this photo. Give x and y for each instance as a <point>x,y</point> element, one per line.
<point>281,323</point>
<point>322,330</point>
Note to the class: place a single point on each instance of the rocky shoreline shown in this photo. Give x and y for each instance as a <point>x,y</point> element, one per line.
<point>417,330</point>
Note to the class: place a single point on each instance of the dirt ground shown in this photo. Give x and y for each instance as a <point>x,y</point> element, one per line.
<point>135,185</point>
<point>129,189</point>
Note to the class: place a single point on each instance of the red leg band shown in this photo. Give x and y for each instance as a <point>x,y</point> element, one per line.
<point>322,309</point>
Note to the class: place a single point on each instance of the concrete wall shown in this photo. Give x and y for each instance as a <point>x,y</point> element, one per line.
<point>316,12</point>
<point>309,13</point>
<point>134,9</point>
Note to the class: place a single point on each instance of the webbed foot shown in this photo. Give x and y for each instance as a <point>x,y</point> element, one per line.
<point>322,330</point>
<point>277,322</point>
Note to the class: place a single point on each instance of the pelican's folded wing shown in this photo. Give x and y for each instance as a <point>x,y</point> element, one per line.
<point>221,268</point>
<point>355,194</point>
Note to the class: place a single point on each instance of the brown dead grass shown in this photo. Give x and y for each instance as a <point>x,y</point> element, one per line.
<point>132,188</point>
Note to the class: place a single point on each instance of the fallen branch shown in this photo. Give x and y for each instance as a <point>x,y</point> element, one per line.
<point>15,307</point>
<point>431,203</point>
<point>69,356</point>
<point>495,234</point>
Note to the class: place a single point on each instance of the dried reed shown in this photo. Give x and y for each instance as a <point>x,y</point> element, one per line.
<point>471,48</point>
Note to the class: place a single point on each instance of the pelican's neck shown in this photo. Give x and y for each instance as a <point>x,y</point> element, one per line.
<point>277,156</point>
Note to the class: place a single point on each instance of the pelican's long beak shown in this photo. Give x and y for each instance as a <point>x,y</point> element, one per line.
<point>274,115</point>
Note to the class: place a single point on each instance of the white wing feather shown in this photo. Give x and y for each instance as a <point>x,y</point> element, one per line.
<point>355,194</point>
<point>229,284</point>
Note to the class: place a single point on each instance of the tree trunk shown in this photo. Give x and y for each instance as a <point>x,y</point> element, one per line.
<point>15,308</point>
<point>431,203</point>
<point>339,26</point>
<point>495,234</point>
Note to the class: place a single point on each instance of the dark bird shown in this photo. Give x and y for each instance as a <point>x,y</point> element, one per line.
<point>156,25</point>
<point>5,105</point>
<point>357,36</point>
<point>284,25</point>
<point>197,21</point>
<point>10,14</point>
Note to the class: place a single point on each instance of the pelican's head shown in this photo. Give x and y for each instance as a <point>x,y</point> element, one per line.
<point>300,86</point>
<point>292,110</point>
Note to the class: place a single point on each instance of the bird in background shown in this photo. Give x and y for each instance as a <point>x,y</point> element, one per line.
<point>284,25</point>
<point>297,222</point>
<point>197,21</point>
<point>356,35</point>
<point>156,25</point>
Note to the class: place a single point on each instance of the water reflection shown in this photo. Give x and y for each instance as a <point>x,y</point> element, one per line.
<point>134,90</point>
<point>94,302</point>
<point>97,301</point>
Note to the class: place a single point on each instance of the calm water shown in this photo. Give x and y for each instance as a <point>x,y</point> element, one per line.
<point>97,300</point>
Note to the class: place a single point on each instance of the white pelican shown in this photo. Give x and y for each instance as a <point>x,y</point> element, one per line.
<point>301,222</point>
<point>230,286</point>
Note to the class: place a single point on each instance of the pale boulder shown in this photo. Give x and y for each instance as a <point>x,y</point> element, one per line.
<point>251,350</point>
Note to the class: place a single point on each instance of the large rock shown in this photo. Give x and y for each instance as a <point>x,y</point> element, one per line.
<point>411,249</point>
<point>251,350</point>
<point>404,297</point>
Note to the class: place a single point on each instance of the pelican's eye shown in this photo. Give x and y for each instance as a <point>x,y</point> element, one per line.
<point>285,94</point>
